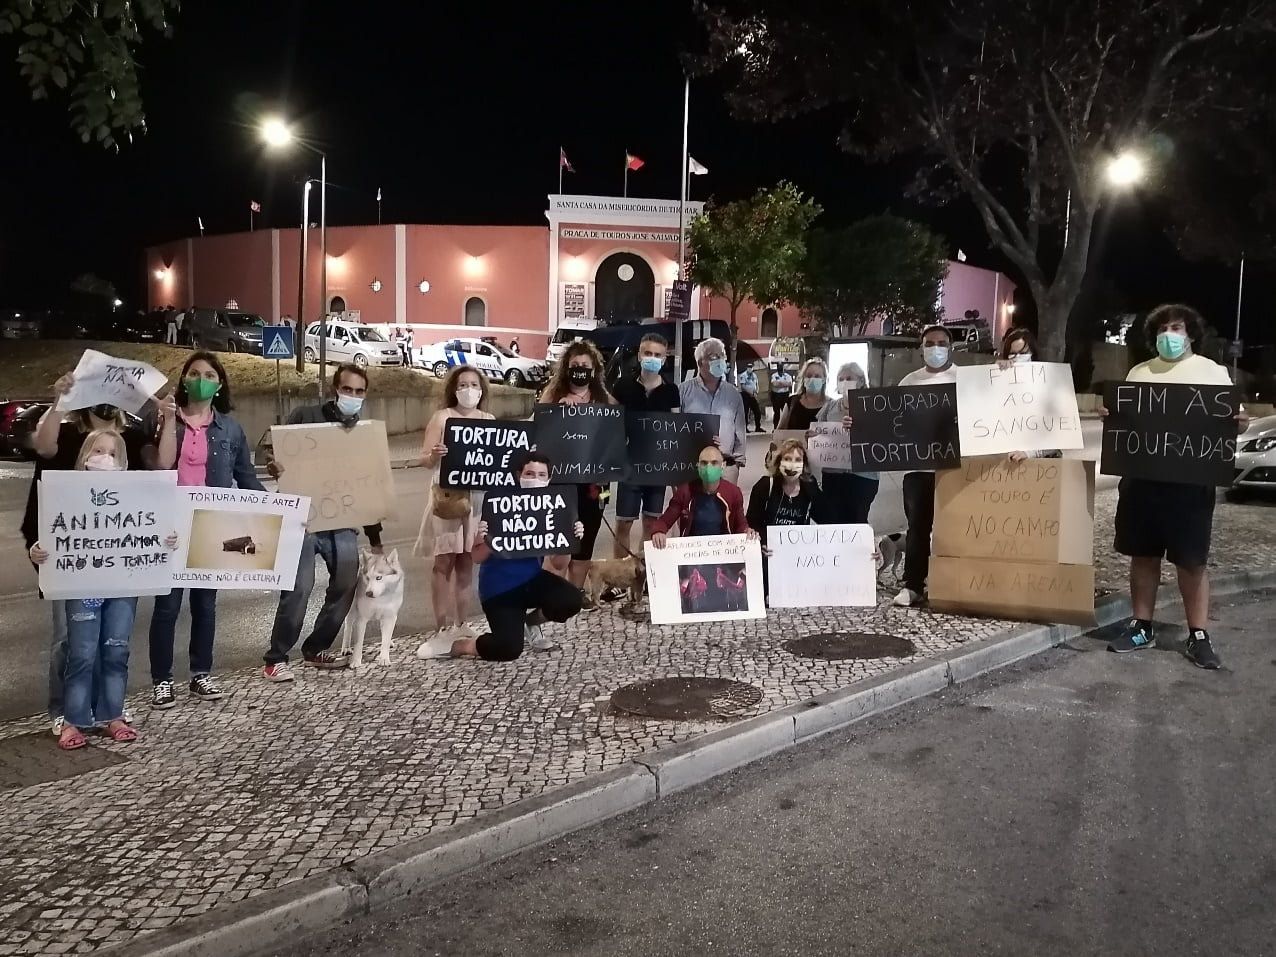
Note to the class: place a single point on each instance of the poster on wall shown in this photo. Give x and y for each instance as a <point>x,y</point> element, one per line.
<point>585,442</point>
<point>231,538</point>
<point>1171,433</point>
<point>664,447</point>
<point>816,566</point>
<point>1029,407</point>
<point>705,578</point>
<point>574,306</point>
<point>344,472</point>
<point>483,454</point>
<point>105,533</point>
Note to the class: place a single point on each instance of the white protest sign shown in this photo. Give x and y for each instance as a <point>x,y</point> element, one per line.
<point>814,566</point>
<point>104,380</point>
<point>344,472</point>
<point>829,447</point>
<point>232,538</point>
<point>1028,407</point>
<point>105,532</point>
<point>705,578</point>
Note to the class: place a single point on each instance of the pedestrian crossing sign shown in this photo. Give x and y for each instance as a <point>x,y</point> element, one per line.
<point>276,342</point>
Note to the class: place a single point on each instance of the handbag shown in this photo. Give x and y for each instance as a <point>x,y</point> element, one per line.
<point>450,504</point>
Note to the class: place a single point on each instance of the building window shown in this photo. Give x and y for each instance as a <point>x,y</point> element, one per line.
<point>338,305</point>
<point>475,312</point>
<point>770,323</point>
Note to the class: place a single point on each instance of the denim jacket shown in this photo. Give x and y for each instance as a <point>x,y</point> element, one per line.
<point>230,463</point>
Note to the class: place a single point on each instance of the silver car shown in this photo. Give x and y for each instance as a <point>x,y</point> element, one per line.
<point>351,342</point>
<point>1255,459</point>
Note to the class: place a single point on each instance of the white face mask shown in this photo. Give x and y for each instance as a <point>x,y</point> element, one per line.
<point>469,397</point>
<point>936,357</point>
<point>1021,358</point>
<point>533,483</point>
<point>846,385</point>
<point>791,469</point>
<point>101,462</point>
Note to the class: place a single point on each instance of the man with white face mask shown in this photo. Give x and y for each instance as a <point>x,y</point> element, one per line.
<point>339,549</point>
<point>919,487</point>
<point>709,393</point>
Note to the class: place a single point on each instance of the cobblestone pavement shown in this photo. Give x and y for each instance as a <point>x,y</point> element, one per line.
<point>217,802</point>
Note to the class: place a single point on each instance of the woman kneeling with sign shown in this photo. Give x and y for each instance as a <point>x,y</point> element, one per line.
<point>510,588</point>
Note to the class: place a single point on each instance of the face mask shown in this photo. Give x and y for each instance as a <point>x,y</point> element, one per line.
<point>104,412</point>
<point>201,390</point>
<point>1021,358</point>
<point>100,462</point>
<point>652,365</point>
<point>580,376</point>
<point>718,368</point>
<point>349,405</point>
<point>936,357</point>
<point>1171,345</point>
<point>847,385</point>
<point>709,473</point>
<point>791,469</point>
<point>469,397</point>
<point>533,483</point>
<point>815,385</point>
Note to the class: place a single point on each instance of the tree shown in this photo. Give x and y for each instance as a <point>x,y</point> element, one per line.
<point>882,267</point>
<point>94,287</point>
<point>752,249</point>
<point>89,50</point>
<point>1018,105</point>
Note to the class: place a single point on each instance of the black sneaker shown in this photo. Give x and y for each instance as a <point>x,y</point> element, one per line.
<point>1138,634</point>
<point>162,696</point>
<point>327,661</point>
<point>1200,652</point>
<point>203,687</point>
<point>614,593</point>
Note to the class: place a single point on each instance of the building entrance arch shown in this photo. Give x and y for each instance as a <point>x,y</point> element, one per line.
<point>624,288</point>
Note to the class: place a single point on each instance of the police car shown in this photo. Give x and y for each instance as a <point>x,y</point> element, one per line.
<point>493,360</point>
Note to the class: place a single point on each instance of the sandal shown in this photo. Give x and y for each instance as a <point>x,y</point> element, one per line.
<point>70,739</point>
<point>121,732</point>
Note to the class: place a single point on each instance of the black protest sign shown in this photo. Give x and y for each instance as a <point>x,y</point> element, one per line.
<point>531,522</point>
<point>482,454</point>
<point>664,447</point>
<point>586,442</point>
<point>1170,433</point>
<point>904,428</point>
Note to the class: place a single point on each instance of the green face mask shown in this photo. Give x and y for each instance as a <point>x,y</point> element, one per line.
<point>710,473</point>
<point>201,390</point>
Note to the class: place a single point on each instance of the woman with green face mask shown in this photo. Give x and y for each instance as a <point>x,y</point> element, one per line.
<point>212,451</point>
<point>707,505</point>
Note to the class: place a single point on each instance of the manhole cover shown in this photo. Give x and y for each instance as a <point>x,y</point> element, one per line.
<point>680,698</point>
<point>842,645</point>
<point>30,759</point>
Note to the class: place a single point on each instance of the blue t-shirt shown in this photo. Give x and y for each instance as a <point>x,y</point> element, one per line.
<point>498,575</point>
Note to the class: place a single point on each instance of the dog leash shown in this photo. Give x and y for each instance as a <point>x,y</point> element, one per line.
<point>616,540</point>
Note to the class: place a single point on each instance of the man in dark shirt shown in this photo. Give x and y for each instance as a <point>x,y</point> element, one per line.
<point>339,549</point>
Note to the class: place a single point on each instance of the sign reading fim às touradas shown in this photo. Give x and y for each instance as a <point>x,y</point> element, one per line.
<point>482,455</point>
<point>530,523</point>
<point>664,447</point>
<point>1171,433</point>
<point>585,442</point>
<point>904,428</point>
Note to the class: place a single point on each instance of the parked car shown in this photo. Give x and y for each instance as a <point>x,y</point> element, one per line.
<point>19,325</point>
<point>490,358</point>
<point>223,330</point>
<point>17,429</point>
<point>352,342</point>
<point>568,331</point>
<point>1255,459</point>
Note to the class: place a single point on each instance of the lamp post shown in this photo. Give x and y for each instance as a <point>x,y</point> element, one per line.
<point>1123,170</point>
<point>277,133</point>
<point>299,341</point>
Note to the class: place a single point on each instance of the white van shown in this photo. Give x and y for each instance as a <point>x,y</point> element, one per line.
<point>568,331</point>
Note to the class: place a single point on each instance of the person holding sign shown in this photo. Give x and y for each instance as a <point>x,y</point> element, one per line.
<point>709,393</point>
<point>447,527</point>
<point>710,505</point>
<point>1018,346</point>
<point>919,487</point>
<point>788,495</point>
<point>510,588</point>
<point>1158,520</point>
<point>848,496</point>
<point>806,405</point>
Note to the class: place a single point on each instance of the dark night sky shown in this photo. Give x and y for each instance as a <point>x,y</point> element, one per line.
<point>457,116</point>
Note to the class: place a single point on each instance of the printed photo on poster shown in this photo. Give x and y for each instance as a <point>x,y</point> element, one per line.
<point>815,566</point>
<point>482,455</point>
<point>709,578</point>
<point>1028,407</point>
<point>105,380</point>
<point>238,539</point>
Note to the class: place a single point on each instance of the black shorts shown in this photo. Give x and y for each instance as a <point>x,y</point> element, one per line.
<point>589,511</point>
<point>1165,520</point>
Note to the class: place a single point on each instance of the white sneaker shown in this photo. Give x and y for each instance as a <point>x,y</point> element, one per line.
<point>439,646</point>
<point>464,631</point>
<point>536,639</point>
<point>906,598</point>
<point>58,723</point>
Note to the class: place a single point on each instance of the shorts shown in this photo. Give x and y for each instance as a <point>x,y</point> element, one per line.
<point>1165,520</point>
<point>631,499</point>
<point>589,512</point>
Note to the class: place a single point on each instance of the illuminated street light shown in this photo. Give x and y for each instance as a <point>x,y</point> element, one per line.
<point>1125,169</point>
<point>275,132</point>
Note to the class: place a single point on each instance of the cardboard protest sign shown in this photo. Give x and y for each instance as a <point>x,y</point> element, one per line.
<point>1171,433</point>
<point>586,442</point>
<point>344,472</point>
<point>829,447</point>
<point>1039,510</point>
<point>665,446</point>
<point>1028,407</point>
<point>232,538</point>
<point>101,379</point>
<point>105,532</point>
<point>531,522</point>
<point>705,578</point>
<point>815,566</point>
<point>483,454</point>
<point>1026,591</point>
<point>904,428</point>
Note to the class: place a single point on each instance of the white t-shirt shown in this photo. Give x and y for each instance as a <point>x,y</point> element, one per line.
<point>924,376</point>
<point>1190,370</point>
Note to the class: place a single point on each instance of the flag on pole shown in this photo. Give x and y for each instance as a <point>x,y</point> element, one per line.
<point>961,256</point>
<point>254,206</point>
<point>563,161</point>
<point>378,194</point>
<point>201,224</point>
<point>694,168</point>
<point>632,161</point>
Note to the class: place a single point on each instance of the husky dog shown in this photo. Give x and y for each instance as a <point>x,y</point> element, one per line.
<point>378,597</point>
<point>890,549</point>
<point>628,573</point>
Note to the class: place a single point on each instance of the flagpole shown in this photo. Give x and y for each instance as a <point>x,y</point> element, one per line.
<point>560,171</point>
<point>682,231</point>
<point>625,194</point>
<point>378,205</point>
<point>250,219</point>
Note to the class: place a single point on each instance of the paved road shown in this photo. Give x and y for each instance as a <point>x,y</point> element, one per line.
<point>244,617</point>
<point>1078,804</point>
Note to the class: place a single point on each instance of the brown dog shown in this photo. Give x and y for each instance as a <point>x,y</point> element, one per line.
<point>628,573</point>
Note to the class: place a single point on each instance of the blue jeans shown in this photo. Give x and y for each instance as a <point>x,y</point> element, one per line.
<point>203,604</point>
<point>339,550</point>
<point>97,637</point>
<point>57,657</point>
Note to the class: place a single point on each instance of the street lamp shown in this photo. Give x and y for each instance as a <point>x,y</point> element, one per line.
<point>1125,169</point>
<point>276,133</point>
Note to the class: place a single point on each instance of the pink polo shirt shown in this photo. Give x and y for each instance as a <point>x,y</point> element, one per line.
<point>192,457</point>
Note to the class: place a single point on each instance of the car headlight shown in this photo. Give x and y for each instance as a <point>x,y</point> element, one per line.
<point>1265,444</point>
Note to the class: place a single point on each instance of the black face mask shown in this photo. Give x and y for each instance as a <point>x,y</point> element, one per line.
<point>580,376</point>
<point>104,412</point>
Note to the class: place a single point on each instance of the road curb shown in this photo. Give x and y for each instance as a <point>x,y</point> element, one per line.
<point>372,883</point>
